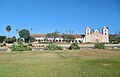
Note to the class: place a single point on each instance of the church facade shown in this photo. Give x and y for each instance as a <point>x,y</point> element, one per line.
<point>96,36</point>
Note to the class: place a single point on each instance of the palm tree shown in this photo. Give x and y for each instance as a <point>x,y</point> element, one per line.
<point>8,29</point>
<point>31,31</point>
<point>17,32</point>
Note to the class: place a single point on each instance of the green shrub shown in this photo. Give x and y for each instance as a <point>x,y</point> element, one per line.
<point>53,47</point>
<point>74,46</point>
<point>99,46</point>
<point>1,45</point>
<point>20,47</point>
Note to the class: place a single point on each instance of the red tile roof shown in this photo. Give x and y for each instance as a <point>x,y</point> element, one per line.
<point>38,35</point>
<point>77,36</point>
<point>60,36</point>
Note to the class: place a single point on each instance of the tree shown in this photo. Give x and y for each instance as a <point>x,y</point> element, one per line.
<point>32,39</point>
<point>14,39</point>
<point>52,35</point>
<point>8,29</point>
<point>2,39</point>
<point>11,40</point>
<point>70,38</point>
<point>55,35</point>
<point>67,37</point>
<point>114,38</point>
<point>118,36</point>
<point>49,35</point>
<point>24,33</point>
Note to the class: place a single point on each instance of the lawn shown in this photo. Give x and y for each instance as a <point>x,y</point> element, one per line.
<point>79,63</point>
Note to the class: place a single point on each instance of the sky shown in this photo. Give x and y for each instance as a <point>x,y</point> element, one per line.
<point>46,16</point>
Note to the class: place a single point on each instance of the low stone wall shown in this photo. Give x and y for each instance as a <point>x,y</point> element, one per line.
<point>40,47</point>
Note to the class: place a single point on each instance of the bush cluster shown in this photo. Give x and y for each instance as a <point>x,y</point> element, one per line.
<point>54,47</point>
<point>74,46</point>
<point>99,46</point>
<point>21,47</point>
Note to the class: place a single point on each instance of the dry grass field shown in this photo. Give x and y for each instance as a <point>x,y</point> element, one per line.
<point>72,63</point>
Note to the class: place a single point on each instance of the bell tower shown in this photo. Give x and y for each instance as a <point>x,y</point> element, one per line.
<point>88,35</point>
<point>105,35</point>
<point>87,31</point>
